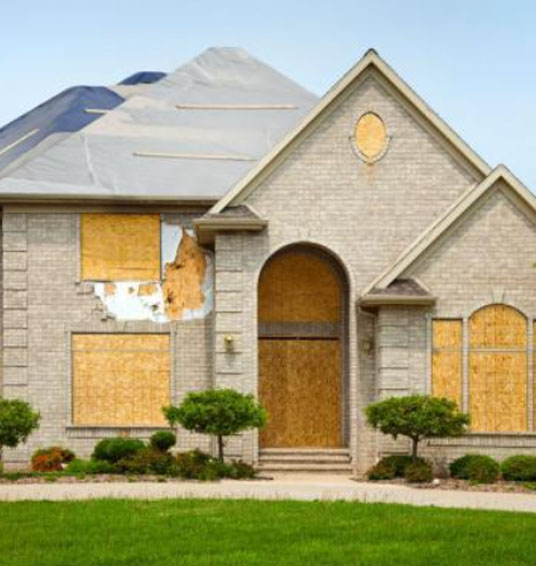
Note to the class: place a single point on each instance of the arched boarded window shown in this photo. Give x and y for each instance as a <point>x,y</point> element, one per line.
<point>498,370</point>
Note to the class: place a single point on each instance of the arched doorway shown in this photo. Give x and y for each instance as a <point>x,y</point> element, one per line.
<point>302,334</point>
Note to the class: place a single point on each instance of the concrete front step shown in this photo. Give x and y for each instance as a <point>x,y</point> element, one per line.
<point>334,460</point>
<point>312,467</point>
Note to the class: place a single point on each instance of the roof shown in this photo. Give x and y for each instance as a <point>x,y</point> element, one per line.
<point>190,136</point>
<point>370,62</point>
<point>67,112</point>
<point>403,291</point>
<point>448,219</point>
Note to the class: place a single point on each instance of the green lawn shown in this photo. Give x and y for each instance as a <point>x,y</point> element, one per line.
<point>247,533</point>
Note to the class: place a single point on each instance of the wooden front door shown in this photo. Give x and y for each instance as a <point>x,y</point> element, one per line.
<point>300,351</point>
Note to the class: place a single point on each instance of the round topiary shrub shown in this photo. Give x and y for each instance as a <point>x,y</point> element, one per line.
<point>519,468</point>
<point>419,471</point>
<point>163,440</point>
<point>382,471</point>
<point>115,449</point>
<point>475,467</point>
<point>51,459</point>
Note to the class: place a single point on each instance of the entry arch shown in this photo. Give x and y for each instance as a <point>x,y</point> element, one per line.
<point>302,348</point>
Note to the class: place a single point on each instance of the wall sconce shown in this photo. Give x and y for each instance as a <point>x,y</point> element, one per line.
<point>367,345</point>
<point>229,343</point>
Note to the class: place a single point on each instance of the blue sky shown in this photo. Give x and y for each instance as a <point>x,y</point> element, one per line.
<point>473,61</point>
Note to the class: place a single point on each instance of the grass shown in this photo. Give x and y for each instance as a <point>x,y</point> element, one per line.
<point>249,533</point>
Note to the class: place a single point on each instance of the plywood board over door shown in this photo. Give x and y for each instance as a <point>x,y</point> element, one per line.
<point>299,383</point>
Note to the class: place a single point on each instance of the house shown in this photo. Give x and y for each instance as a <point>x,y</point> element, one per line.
<point>221,227</point>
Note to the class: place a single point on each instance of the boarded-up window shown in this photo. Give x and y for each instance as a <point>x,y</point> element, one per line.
<point>120,247</point>
<point>447,359</point>
<point>120,379</point>
<point>498,370</point>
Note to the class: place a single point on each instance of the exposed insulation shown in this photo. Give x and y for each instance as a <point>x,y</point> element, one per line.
<point>120,379</point>
<point>498,370</point>
<point>146,289</point>
<point>447,359</point>
<point>370,135</point>
<point>109,289</point>
<point>300,386</point>
<point>299,287</point>
<point>182,287</point>
<point>120,247</point>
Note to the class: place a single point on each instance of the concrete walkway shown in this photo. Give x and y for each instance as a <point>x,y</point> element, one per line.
<point>303,488</point>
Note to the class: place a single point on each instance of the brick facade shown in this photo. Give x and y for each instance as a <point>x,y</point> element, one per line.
<point>322,194</point>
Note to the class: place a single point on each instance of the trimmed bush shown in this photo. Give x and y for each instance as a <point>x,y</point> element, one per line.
<point>163,440</point>
<point>220,412</point>
<point>390,467</point>
<point>82,467</point>
<point>147,461</point>
<point>51,459</point>
<point>196,465</point>
<point>115,449</point>
<point>419,472</point>
<point>417,417</point>
<point>519,468</point>
<point>381,471</point>
<point>188,465</point>
<point>475,467</point>
<point>17,421</point>
<point>242,471</point>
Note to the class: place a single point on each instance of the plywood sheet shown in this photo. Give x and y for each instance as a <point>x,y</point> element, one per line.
<point>299,287</point>
<point>120,379</point>
<point>370,135</point>
<point>498,391</point>
<point>300,386</point>
<point>447,359</point>
<point>497,326</point>
<point>120,247</point>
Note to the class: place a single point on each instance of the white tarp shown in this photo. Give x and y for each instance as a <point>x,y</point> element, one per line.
<point>192,135</point>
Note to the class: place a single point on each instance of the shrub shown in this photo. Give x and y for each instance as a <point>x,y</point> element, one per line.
<point>80,467</point>
<point>51,459</point>
<point>381,471</point>
<point>17,421</point>
<point>114,449</point>
<point>390,467</point>
<point>475,467</point>
<point>241,471</point>
<point>419,471</point>
<point>519,468</point>
<point>147,461</point>
<point>163,440</point>
<point>417,417</point>
<point>188,465</point>
<point>220,412</point>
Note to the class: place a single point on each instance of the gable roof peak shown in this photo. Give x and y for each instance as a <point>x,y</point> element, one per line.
<point>250,181</point>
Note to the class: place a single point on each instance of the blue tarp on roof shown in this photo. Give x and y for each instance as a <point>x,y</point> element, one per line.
<point>143,77</point>
<point>65,112</point>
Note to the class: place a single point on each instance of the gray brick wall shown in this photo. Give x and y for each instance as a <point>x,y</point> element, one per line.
<point>365,215</point>
<point>43,304</point>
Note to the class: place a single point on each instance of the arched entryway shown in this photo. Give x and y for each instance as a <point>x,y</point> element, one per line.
<point>302,298</point>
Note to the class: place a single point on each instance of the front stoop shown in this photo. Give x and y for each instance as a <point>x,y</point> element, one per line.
<point>330,460</point>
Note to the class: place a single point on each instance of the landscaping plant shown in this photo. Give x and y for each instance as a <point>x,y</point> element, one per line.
<point>475,467</point>
<point>114,449</point>
<point>17,421</point>
<point>163,440</point>
<point>53,459</point>
<point>219,412</point>
<point>419,471</point>
<point>417,417</point>
<point>519,468</point>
